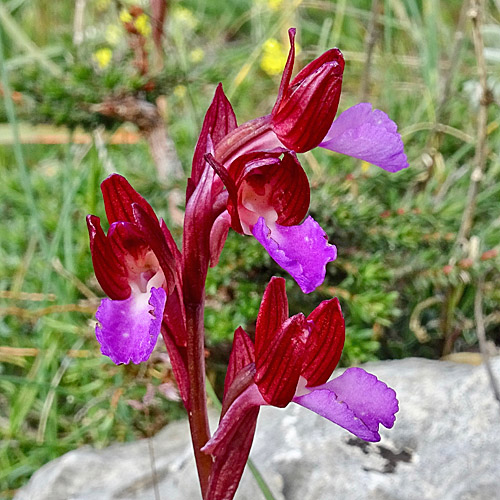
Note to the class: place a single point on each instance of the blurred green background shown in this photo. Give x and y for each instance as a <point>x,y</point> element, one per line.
<point>407,285</point>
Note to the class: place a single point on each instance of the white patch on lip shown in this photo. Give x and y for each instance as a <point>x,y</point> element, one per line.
<point>301,387</point>
<point>252,206</point>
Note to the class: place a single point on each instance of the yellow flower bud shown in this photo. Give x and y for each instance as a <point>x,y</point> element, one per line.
<point>125,16</point>
<point>142,25</point>
<point>196,55</point>
<point>103,57</point>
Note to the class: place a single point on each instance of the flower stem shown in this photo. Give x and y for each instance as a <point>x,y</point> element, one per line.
<point>197,411</point>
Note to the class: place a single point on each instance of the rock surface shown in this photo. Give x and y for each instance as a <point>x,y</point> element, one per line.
<point>445,445</point>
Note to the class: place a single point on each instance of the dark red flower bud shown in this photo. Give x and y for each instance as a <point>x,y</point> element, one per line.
<point>306,107</point>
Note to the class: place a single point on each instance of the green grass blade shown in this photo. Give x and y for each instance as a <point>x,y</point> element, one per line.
<point>23,170</point>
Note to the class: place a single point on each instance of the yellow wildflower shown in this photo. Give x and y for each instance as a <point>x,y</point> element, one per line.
<point>113,34</point>
<point>196,55</point>
<point>273,57</point>
<point>184,16</point>
<point>103,57</point>
<point>142,25</point>
<point>125,16</point>
<point>274,4</point>
<point>180,91</point>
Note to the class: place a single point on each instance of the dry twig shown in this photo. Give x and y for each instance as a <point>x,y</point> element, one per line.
<point>147,117</point>
<point>476,15</point>
<point>371,38</point>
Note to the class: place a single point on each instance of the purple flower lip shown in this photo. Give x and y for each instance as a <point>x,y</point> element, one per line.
<point>128,329</point>
<point>302,250</point>
<point>357,401</point>
<point>367,134</point>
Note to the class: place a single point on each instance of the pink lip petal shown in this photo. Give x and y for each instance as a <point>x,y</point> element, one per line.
<point>357,401</point>
<point>301,250</point>
<point>127,329</point>
<point>369,135</point>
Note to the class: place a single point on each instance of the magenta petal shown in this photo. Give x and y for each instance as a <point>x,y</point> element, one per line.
<point>301,250</point>
<point>369,135</point>
<point>357,401</point>
<point>127,329</point>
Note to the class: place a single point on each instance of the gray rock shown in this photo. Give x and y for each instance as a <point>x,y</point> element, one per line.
<point>445,445</point>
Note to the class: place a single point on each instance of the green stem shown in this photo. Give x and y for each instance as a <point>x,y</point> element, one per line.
<point>268,495</point>
<point>26,44</point>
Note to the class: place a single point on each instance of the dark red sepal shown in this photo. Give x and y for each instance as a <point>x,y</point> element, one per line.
<point>242,354</point>
<point>219,121</point>
<point>230,461</point>
<point>273,312</point>
<point>242,381</point>
<point>287,72</point>
<point>332,55</point>
<point>198,221</point>
<point>279,366</point>
<point>125,240</point>
<point>218,236</point>
<point>306,107</point>
<point>225,177</point>
<point>325,343</point>
<point>110,273</point>
<point>281,171</point>
<point>291,193</point>
<point>119,196</point>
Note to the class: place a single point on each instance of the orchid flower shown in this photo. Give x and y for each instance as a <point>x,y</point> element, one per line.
<point>267,195</point>
<point>303,117</point>
<point>292,361</point>
<point>255,161</point>
<point>136,269</point>
<point>268,198</point>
